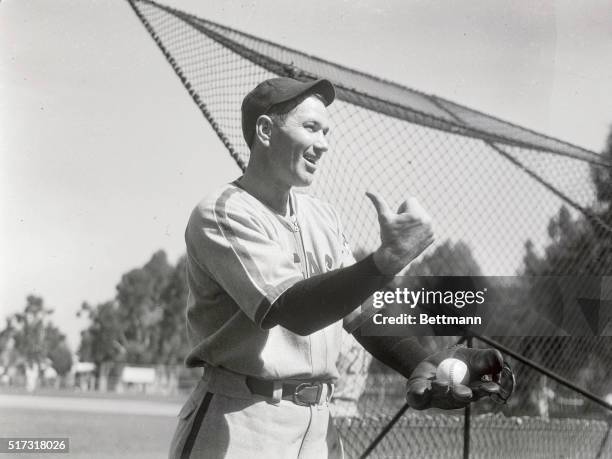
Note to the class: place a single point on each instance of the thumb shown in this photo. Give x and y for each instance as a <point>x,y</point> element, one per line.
<point>419,394</point>
<point>461,393</point>
<point>380,204</point>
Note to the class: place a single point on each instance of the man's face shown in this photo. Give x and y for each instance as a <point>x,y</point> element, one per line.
<point>297,144</point>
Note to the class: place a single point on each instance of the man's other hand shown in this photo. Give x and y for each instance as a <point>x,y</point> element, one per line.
<point>485,371</point>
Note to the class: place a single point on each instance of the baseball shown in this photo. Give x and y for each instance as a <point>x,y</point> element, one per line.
<point>454,371</point>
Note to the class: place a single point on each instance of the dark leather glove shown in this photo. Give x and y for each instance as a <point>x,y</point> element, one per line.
<point>485,367</point>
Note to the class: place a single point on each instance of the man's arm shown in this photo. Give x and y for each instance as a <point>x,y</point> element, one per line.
<point>314,303</point>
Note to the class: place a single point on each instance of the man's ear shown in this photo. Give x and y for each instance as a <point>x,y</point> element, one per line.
<point>263,129</point>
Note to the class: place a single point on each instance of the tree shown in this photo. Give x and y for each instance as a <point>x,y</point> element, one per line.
<point>141,308</point>
<point>172,345</point>
<point>602,179</point>
<point>61,358</point>
<point>8,353</point>
<point>101,342</point>
<point>57,350</point>
<point>30,331</point>
<point>144,324</point>
<point>35,340</point>
<point>579,245</point>
<point>447,259</point>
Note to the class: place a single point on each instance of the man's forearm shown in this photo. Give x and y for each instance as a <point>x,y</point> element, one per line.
<point>316,302</point>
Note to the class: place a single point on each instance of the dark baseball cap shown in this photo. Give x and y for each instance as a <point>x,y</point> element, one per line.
<point>275,91</point>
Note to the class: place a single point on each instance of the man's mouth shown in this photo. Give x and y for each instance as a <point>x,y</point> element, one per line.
<point>311,159</point>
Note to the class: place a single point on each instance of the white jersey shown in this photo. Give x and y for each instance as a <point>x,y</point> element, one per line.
<point>241,256</point>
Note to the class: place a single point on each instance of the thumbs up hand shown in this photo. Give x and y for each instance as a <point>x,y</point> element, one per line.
<point>404,234</point>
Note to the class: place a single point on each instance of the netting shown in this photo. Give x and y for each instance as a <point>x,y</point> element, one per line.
<point>523,437</point>
<point>488,184</point>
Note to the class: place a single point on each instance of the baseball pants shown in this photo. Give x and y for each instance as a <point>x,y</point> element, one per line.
<point>212,425</point>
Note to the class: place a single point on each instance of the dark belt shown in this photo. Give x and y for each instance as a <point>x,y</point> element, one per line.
<point>301,393</point>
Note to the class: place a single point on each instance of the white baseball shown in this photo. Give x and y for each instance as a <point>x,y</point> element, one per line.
<point>454,371</point>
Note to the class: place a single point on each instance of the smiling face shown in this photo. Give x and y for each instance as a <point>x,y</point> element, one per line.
<point>297,142</point>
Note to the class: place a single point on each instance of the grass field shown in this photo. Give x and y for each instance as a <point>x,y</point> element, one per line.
<point>93,435</point>
<point>97,427</point>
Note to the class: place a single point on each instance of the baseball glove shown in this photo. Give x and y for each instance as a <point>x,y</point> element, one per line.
<point>489,376</point>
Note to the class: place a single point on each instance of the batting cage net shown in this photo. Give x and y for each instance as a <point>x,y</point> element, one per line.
<point>506,201</point>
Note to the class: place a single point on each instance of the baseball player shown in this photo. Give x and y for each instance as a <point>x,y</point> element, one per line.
<point>272,282</point>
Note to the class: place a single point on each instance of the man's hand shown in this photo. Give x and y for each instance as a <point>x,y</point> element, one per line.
<point>404,235</point>
<point>485,372</point>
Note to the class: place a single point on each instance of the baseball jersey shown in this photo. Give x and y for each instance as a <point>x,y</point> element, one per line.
<point>241,256</point>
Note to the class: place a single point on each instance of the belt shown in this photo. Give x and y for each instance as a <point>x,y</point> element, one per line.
<point>301,393</point>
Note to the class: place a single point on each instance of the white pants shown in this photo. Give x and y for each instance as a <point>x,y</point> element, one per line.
<point>212,425</point>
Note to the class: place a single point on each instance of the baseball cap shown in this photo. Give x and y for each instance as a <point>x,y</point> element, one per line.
<point>274,91</point>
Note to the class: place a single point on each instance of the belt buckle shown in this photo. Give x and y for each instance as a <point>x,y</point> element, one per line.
<point>304,386</point>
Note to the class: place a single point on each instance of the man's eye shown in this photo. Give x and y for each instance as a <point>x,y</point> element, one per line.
<point>310,127</point>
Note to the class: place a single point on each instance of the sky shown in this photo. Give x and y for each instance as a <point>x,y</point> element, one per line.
<point>103,154</point>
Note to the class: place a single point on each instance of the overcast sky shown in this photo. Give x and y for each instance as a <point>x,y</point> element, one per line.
<point>103,154</point>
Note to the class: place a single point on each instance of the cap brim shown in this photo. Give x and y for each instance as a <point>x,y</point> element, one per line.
<point>325,88</point>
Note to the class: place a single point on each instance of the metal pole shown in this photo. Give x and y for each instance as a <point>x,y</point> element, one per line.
<point>467,414</point>
<point>604,442</point>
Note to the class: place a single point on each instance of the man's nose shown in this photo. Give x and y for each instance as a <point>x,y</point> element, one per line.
<point>321,145</point>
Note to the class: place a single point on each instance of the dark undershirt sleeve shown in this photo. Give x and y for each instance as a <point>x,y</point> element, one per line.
<point>314,303</point>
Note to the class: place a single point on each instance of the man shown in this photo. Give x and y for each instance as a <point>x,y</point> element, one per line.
<point>272,282</point>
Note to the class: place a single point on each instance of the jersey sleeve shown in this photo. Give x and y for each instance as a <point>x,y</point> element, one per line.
<point>228,242</point>
<point>356,318</point>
